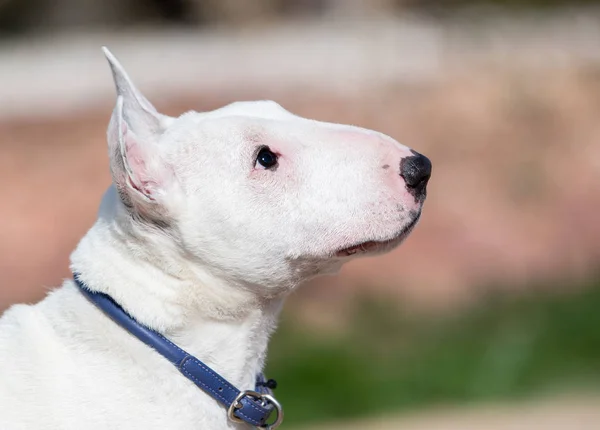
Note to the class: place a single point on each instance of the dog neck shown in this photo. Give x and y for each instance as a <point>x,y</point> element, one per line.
<point>225,326</point>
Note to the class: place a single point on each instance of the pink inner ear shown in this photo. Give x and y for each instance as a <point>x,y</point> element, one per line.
<point>139,178</point>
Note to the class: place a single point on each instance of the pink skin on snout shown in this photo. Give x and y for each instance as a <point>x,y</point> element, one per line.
<point>392,153</point>
<point>378,159</point>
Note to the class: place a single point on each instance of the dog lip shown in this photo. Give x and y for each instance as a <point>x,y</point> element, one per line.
<point>373,246</point>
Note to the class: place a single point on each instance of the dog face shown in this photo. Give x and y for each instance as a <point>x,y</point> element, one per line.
<point>256,195</point>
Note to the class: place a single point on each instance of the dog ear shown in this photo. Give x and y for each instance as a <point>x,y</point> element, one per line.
<point>133,135</point>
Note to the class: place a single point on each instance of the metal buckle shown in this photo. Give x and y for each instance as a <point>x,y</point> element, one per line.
<point>264,398</point>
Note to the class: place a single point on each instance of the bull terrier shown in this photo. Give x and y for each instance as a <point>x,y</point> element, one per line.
<point>211,220</point>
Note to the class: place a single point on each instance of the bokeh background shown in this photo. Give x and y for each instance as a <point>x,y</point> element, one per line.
<point>487,317</point>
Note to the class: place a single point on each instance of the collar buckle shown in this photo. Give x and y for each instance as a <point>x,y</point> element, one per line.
<point>265,399</point>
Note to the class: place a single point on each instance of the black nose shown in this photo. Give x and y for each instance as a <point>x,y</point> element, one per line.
<point>416,171</point>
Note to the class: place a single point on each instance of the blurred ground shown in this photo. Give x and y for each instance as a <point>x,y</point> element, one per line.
<point>555,414</point>
<point>512,132</point>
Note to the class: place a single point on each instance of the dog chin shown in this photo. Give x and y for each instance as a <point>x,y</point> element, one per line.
<point>373,247</point>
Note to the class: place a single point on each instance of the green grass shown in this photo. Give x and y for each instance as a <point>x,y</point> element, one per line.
<point>387,361</point>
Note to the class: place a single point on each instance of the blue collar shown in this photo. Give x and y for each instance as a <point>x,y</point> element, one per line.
<point>252,407</point>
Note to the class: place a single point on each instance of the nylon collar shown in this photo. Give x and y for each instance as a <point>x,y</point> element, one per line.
<point>252,407</point>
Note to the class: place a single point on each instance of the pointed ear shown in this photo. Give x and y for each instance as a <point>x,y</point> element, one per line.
<point>133,135</point>
<point>138,111</point>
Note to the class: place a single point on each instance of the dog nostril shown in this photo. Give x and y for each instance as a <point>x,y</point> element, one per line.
<point>416,170</point>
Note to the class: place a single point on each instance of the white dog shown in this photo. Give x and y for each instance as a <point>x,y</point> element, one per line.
<point>212,220</point>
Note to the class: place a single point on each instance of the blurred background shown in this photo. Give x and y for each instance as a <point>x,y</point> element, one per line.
<point>487,317</point>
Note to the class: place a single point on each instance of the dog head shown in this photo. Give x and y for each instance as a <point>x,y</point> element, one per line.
<point>256,195</point>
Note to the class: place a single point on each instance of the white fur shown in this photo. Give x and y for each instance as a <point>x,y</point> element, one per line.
<point>198,241</point>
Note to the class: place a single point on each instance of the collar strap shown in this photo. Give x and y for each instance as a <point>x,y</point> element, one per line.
<point>252,407</point>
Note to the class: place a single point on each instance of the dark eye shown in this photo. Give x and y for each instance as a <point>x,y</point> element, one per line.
<point>266,158</point>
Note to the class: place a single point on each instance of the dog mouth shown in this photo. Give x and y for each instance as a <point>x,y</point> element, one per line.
<point>372,246</point>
